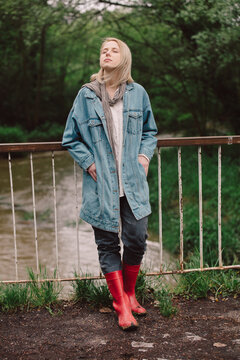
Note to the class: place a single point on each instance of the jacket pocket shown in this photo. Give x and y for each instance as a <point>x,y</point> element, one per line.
<point>96,130</point>
<point>142,170</point>
<point>134,122</point>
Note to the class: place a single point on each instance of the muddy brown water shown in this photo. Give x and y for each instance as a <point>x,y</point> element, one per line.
<point>66,220</point>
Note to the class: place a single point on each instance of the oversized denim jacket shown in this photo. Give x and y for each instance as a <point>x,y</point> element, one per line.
<point>86,139</point>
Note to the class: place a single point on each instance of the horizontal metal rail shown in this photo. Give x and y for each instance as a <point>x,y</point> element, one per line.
<point>199,141</point>
<point>100,277</point>
<point>163,142</point>
<point>32,147</point>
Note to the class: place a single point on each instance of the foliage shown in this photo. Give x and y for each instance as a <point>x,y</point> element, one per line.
<point>33,294</point>
<point>13,296</point>
<point>185,53</point>
<point>163,299</point>
<point>43,293</point>
<point>46,132</point>
<point>143,292</point>
<point>96,293</point>
<point>170,202</point>
<point>12,134</point>
<point>219,284</point>
<point>91,292</point>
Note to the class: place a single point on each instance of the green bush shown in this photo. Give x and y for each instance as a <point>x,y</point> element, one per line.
<point>47,132</point>
<point>12,134</point>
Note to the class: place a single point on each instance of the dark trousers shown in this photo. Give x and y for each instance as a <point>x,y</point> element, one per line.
<point>134,236</point>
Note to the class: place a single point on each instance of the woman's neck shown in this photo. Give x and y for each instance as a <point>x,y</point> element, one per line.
<point>111,87</point>
<point>111,90</point>
<point>110,84</point>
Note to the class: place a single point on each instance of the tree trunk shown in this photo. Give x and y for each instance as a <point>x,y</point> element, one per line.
<point>40,76</point>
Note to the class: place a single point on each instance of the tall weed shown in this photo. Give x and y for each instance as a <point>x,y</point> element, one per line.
<point>43,293</point>
<point>91,292</point>
<point>14,296</point>
<point>217,283</point>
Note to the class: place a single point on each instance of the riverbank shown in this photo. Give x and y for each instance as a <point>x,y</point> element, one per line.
<point>202,329</point>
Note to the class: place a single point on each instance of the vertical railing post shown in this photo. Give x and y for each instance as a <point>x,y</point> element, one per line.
<point>77,216</point>
<point>34,213</point>
<point>200,205</point>
<point>13,215</point>
<point>180,204</point>
<point>160,207</point>
<point>219,206</point>
<point>55,212</point>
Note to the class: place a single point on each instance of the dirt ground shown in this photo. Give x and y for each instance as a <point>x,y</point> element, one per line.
<point>202,329</point>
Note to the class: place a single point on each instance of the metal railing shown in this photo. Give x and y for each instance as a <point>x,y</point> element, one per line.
<point>165,142</point>
<point>199,142</point>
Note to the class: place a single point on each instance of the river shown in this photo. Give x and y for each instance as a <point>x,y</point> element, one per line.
<point>66,220</point>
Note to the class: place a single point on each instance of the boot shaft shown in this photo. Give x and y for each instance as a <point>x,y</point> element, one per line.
<point>115,283</point>
<point>130,274</point>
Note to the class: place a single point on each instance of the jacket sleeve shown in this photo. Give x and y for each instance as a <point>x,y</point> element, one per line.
<point>148,141</point>
<point>73,140</point>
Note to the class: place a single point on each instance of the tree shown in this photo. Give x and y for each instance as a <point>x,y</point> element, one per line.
<point>37,48</point>
<point>185,53</point>
<point>188,55</point>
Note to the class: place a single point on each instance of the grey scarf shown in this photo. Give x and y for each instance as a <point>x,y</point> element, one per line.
<point>101,92</point>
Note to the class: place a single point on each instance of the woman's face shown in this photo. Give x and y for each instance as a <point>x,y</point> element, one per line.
<point>110,56</point>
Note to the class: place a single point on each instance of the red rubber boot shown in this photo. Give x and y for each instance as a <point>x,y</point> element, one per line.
<point>130,273</point>
<point>121,302</point>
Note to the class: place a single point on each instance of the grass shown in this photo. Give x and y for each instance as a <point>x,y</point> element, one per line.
<point>43,293</point>
<point>13,296</point>
<point>94,293</point>
<point>163,300</point>
<point>215,283</point>
<point>143,288</point>
<point>34,294</point>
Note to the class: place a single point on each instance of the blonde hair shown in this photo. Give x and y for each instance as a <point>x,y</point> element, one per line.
<point>122,73</point>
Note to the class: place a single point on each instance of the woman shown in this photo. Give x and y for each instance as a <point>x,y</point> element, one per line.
<point>110,134</point>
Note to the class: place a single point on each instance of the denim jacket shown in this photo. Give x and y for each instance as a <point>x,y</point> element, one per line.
<point>86,139</point>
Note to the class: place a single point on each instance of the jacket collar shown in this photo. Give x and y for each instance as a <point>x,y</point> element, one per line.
<point>130,86</point>
<point>91,94</point>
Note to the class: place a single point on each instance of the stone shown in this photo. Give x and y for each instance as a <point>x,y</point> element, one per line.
<point>193,337</point>
<point>142,344</point>
<point>219,345</point>
<point>236,341</point>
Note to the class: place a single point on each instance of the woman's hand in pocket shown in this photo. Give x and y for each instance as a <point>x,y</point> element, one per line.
<point>92,171</point>
<point>144,162</point>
